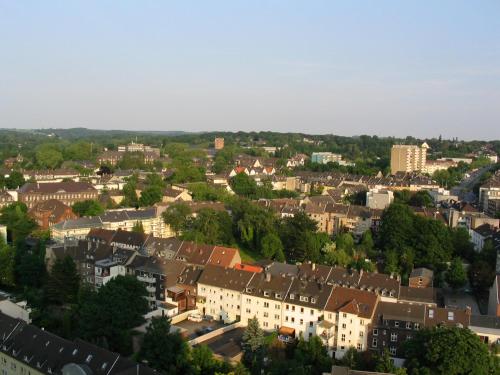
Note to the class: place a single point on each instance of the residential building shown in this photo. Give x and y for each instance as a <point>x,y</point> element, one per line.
<point>482,233</point>
<point>138,147</point>
<point>379,199</point>
<point>489,191</point>
<point>15,309</point>
<point>67,192</point>
<point>325,157</point>
<point>219,143</point>
<point>6,199</point>
<point>432,166</point>
<point>421,278</point>
<point>487,328</point>
<point>26,349</point>
<point>408,158</point>
<point>220,292</point>
<point>121,219</point>
<point>51,212</point>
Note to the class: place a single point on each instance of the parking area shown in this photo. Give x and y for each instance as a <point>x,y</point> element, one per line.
<point>228,344</point>
<point>195,329</point>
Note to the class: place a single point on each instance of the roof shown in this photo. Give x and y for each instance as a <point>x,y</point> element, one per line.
<point>400,311</point>
<point>353,301</point>
<point>227,278</point>
<point>55,207</point>
<point>446,316</point>
<point>422,272</point>
<point>57,187</point>
<point>133,239</point>
<point>422,295</point>
<point>48,353</point>
<point>223,256</point>
<point>248,267</point>
<point>485,321</point>
<point>194,253</point>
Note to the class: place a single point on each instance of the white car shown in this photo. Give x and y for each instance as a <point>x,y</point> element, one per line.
<point>195,317</point>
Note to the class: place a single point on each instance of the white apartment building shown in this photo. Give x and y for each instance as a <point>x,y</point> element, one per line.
<point>379,198</point>
<point>220,292</point>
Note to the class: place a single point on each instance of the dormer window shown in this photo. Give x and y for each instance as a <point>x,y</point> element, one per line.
<point>431,313</point>
<point>266,294</point>
<point>249,290</point>
<point>451,315</point>
<point>104,365</point>
<point>74,352</point>
<point>313,300</point>
<point>304,299</point>
<point>278,295</point>
<point>292,296</point>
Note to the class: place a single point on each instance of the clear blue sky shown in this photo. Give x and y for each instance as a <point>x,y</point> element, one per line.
<point>423,67</point>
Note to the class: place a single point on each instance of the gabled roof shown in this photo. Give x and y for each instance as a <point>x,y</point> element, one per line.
<point>352,301</point>
<point>223,256</point>
<point>227,278</point>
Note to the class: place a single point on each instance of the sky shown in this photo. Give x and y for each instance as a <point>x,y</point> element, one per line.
<point>390,68</point>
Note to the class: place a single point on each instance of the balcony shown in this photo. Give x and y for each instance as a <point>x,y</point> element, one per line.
<point>146,279</point>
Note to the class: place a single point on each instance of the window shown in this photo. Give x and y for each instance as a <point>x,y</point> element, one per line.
<point>431,313</point>
<point>311,324</point>
<point>286,318</point>
<point>361,333</point>
<point>451,315</point>
<point>293,320</point>
<point>396,324</point>
<point>248,311</point>
<point>277,307</point>
<point>278,295</point>
<point>313,300</point>
<point>342,338</point>
<point>392,350</point>
<point>304,298</point>
<point>287,307</point>
<point>416,326</point>
<point>312,312</point>
<point>375,332</point>
<point>266,314</point>
<point>266,294</point>
<point>344,315</point>
<point>302,310</point>
<point>361,322</point>
<point>266,304</point>
<point>292,296</point>
<point>343,326</point>
<point>265,324</point>
<point>394,337</point>
<point>374,342</point>
<point>276,317</point>
<point>359,347</point>
<point>408,325</point>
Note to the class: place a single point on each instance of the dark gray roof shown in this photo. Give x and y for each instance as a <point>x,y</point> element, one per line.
<point>485,321</point>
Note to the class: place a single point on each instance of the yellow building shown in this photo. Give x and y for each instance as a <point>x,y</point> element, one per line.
<point>408,158</point>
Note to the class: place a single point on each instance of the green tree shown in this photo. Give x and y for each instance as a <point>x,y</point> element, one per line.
<point>87,207</point>
<point>384,363</point>
<point>294,236</point>
<point>421,198</point>
<point>272,248</point>
<point>19,224</point>
<point>462,245</point>
<point>448,351</point>
<point>7,264</point>
<point>210,227</point>
<point>456,277</point>
<point>203,362</point>
<point>345,242</point>
<point>481,276</point>
<point>138,227</point>
<point>63,282</point>
<point>151,195</point>
<point>108,315</point>
<point>176,216</point>
<point>48,156</point>
<point>312,356</point>
<point>253,344</point>
<point>336,257</point>
<point>15,180</point>
<point>243,185</point>
<point>164,351</point>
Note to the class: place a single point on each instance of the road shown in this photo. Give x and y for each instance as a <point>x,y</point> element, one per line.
<point>464,189</point>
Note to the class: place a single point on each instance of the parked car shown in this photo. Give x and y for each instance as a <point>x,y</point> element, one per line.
<point>195,317</point>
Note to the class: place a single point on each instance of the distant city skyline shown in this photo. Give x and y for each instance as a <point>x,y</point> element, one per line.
<point>387,68</point>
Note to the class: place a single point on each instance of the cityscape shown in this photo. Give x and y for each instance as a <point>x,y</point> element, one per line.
<point>250,188</point>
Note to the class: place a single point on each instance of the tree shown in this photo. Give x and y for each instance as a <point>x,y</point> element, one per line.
<point>14,180</point>
<point>336,257</point>
<point>48,156</point>
<point>210,227</point>
<point>151,195</point>
<point>253,344</point>
<point>108,315</point>
<point>272,248</point>
<point>312,356</point>
<point>63,283</point>
<point>176,216</point>
<point>345,242</point>
<point>7,263</point>
<point>384,363</point>
<point>243,185</point>
<point>138,227</point>
<point>448,351</point>
<point>456,277</point>
<point>481,276</point>
<point>203,362</point>
<point>293,234</point>
<point>19,224</point>
<point>421,198</point>
<point>164,351</point>
<point>462,246</point>
<point>88,207</point>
